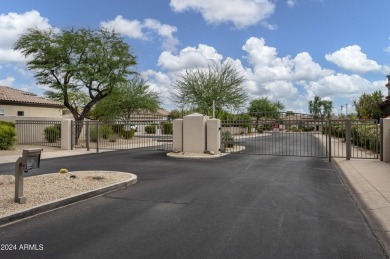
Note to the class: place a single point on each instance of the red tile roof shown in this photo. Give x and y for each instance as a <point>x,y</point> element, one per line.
<point>15,96</point>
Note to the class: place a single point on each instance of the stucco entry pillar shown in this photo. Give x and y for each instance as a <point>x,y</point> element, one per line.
<point>66,134</point>
<point>178,135</point>
<point>213,135</point>
<point>386,140</point>
<point>194,133</point>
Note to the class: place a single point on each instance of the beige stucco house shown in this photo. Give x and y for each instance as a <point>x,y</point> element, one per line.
<point>14,102</point>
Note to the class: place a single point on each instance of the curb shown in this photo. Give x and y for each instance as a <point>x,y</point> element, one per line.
<point>65,201</point>
<point>182,155</point>
<point>370,218</point>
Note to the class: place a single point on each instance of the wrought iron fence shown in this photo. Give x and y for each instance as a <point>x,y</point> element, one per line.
<point>143,132</point>
<point>285,136</point>
<point>39,133</point>
<point>354,138</point>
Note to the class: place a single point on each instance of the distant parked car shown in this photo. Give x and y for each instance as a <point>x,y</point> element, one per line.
<point>131,126</point>
<point>134,127</point>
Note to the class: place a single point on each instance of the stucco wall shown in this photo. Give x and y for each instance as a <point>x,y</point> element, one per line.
<point>31,111</point>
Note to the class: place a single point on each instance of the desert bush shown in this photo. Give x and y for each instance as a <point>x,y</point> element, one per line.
<point>52,133</point>
<point>167,128</point>
<point>7,136</point>
<point>118,129</point>
<point>150,129</point>
<point>227,136</point>
<point>128,134</point>
<point>307,128</point>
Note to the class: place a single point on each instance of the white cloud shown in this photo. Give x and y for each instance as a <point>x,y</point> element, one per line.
<point>291,3</point>
<point>145,30</point>
<point>165,31</point>
<point>12,25</point>
<point>339,85</point>
<point>129,28</point>
<point>8,81</point>
<point>188,58</point>
<point>268,67</point>
<point>353,59</point>
<point>241,13</point>
<point>160,83</point>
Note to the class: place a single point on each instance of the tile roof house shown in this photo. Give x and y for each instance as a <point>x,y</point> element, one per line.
<point>14,102</point>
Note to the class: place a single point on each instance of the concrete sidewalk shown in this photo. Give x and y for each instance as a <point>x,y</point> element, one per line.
<point>53,154</point>
<point>369,183</point>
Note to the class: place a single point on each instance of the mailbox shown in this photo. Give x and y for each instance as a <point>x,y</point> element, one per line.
<point>30,160</point>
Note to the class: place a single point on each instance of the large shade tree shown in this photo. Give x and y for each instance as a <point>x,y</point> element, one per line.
<point>126,99</point>
<point>196,89</point>
<point>320,108</point>
<point>74,63</point>
<point>369,105</point>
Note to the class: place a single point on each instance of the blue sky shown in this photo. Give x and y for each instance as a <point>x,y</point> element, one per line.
<point>287,50</point>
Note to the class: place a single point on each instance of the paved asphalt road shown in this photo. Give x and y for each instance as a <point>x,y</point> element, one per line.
<point>237,206</point>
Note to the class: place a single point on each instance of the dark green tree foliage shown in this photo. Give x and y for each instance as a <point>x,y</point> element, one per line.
<point>80,66</point>
<point>264,108</point>
<point>368,106</point>
<point>320,108</point>
<point>197,89</point>
<point>126,99</point>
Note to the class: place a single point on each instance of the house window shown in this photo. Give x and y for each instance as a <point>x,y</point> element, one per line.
<point>20,113</point>
<point>1,112</point>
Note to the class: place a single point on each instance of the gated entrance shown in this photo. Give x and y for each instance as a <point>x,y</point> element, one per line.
<point>141,131</point>
<point>299,135</point>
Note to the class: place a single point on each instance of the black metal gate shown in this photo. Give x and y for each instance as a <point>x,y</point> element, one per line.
<point>141,131</point>
<point>299,135</point>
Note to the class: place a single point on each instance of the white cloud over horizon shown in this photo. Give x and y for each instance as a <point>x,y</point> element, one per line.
<point>242,13</point>
<point>291,80</point>
<point>352,58</point>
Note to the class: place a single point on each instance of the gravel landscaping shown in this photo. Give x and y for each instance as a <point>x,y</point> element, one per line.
<point>42,189</point>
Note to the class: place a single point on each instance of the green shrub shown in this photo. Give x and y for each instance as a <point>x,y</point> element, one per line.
<point>307,128</point>
<point>8,123</point>
<point>260,130</point>
<point>150,129</point>
<point>118,129</point>
<point>93,133</point>
<point>227,136</point>
<point>128,134</point>
<point>52,133</point>
<point>105,131</point>
<point>167,128</point>
<point>7,136</point>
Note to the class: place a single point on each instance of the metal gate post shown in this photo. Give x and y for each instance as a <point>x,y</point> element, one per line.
<point>330,140</point>
<point>97,138</point>
<point>72,135</point>
<point>87,135</point>
<point>380,140</point>
<point>348,138</point>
